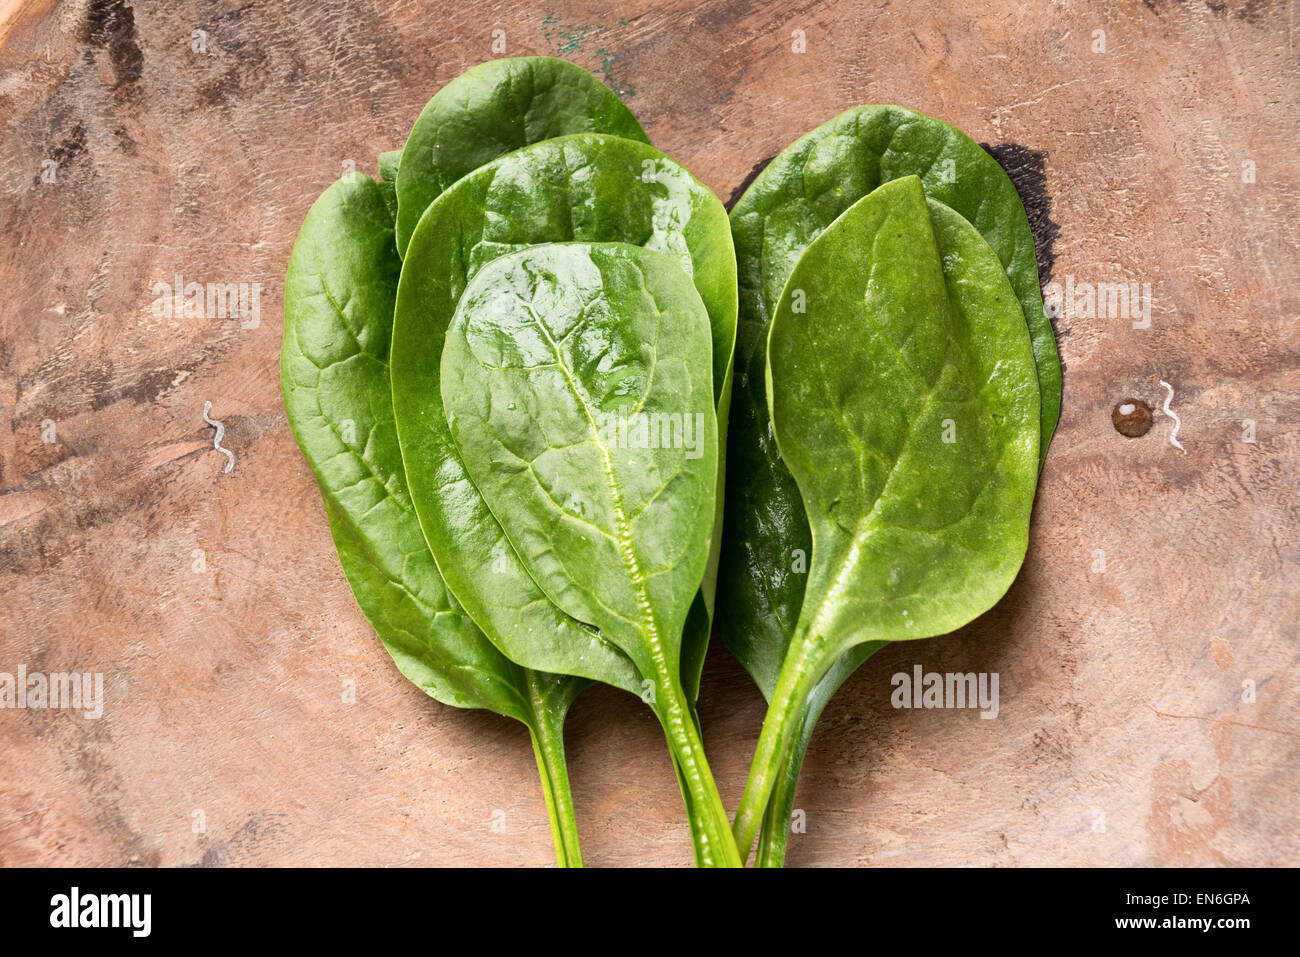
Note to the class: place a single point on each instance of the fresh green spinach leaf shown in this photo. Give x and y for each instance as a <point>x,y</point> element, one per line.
<point>905,403</point>
<point>388,165</point>
<point>578,388</point>
<point>494,108</point>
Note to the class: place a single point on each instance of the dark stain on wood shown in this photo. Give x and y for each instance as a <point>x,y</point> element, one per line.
<point>110,25</point>
<point>739,191</point>
<point>1027,169</point>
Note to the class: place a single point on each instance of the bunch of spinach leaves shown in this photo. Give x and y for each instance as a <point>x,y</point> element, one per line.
<point>460,609</point>
<point>773,559</point>
<point>590,188</point>
<point>468,338</point>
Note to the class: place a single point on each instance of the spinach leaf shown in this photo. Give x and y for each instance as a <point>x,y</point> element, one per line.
<point>388,165</point>
<point>905,404</point>
<point>577,384</point>
<point>494,108</point>
<point>582,187</point>
<point>340,292</point>
<point>766,540</point>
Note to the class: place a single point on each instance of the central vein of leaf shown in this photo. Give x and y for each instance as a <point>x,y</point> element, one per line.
<point>847,565</point>
<point>839,584</point>
<point>623,531</point>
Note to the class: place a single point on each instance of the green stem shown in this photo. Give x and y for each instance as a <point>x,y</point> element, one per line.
<point>710,832</point>
<point>559,801</point>
<point>775,831</point>
<point>776,741</point>
<point>776,819</point>
<point>547,733</point>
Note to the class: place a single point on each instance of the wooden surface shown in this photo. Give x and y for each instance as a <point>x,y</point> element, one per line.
<point>1123,735</point>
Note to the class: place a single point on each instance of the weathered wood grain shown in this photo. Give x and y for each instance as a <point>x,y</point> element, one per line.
<point>214,605</point>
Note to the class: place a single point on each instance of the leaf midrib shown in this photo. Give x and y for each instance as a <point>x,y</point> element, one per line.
<point>623,533</point>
